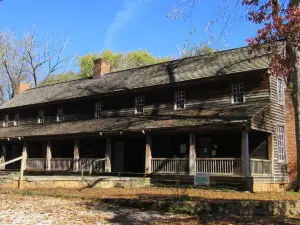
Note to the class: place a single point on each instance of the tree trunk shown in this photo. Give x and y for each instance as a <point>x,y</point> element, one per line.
<point>294,56</point>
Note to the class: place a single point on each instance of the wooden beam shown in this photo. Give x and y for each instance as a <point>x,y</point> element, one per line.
<point>108,155</point>
<point>148,154</point>
<point>23,166</point>
<point>48,155</point>
<point>3,154</point>
<point>25,149</point>
<point>192,154</point>
<point>271,150</point>
<point>245,157</point>
<point>11,161</point>
<point>76,156</point>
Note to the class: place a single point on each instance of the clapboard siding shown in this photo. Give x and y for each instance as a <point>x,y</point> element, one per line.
<point>268,121</point>
<point>201,95</point>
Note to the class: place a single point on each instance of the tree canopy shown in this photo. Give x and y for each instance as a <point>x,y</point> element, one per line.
<point>119,61</point>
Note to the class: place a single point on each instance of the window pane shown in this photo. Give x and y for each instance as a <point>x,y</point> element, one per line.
<point>281,143</point>
<point>98,109</point>
<point>139,104</point>
<point>238,93</point>
<point>41,116</point>
<point>179,100</point>
<point>17,119</point>
<point>60,114</point>
<point>280,91</point>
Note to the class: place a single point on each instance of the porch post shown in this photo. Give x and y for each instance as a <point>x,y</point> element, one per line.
<point>271,151</point>
<point>192,154</point>
<point>25,147</point>
<point>3,154</point>
<point>245,158</point>
<point>108,155</point>
<point>48,155</point>
<point>148,154</point>
<point>76,155</point>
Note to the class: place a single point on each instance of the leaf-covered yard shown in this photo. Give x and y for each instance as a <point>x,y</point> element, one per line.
<point>157,193</point>
<point>74,206</point>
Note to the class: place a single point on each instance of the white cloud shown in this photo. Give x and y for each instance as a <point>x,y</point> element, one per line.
<point>128,12</point>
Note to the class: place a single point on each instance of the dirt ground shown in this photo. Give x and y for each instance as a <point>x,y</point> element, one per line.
<point>71,206</point>
<point>158,193</point>
<point>18,209</point>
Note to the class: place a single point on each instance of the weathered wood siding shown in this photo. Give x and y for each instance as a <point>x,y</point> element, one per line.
<point>268,121</point>
<point>199,94</point>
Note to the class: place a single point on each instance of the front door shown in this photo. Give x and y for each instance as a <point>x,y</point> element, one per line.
<point>118,157</point>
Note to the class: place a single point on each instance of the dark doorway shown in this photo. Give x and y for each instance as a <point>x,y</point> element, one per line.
<point>118,156</point>
<point>134,155</point>
<point>14,150</point>
<point>128,155</point>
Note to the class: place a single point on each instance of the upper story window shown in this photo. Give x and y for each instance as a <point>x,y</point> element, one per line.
<point>5,121</point>
<point>98,109</point>
<point>281,144</point>
<point>17,119</point>
<point>60,114</point>
<point>41,116</point>
<point>179,101</point>
<point>139,103</point>
<point>280,91</point>
<point>237,93</point>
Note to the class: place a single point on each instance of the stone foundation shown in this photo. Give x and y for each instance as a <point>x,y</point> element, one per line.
<point>74,182</point>
<point>260,187</point>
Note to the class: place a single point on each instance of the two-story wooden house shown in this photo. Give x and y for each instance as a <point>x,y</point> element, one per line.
<point>222,113</point>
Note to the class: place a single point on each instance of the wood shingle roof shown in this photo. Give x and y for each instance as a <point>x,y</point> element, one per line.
<point>219,63</point>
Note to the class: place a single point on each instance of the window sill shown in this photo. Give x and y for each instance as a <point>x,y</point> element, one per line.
<point>179,109</point>
<point>237,103</point>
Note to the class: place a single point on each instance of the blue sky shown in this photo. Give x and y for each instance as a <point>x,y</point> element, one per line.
<point>120,25</point>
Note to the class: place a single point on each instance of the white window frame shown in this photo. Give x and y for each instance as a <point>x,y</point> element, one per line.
<point>5,120</point>
<point>60,114</point>
<point>281,144</point>
<point>236,90</point>
<point>17,119</point>
<point>179,99</point>
<point>139,104</point>
<point>41,116</point>
<point>280,96</point>
<point>98,109</point>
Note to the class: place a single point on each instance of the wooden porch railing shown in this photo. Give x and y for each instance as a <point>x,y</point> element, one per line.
<point>260,167</point>
<point>222,166</point>
<point>170,165</point>
<point>23,159</point>
<point>35,164</point>
<point>84,164</point>
<point>61,163</point>
<point>92,164</point>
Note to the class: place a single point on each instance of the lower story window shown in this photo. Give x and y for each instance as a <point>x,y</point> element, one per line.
<point>281,144</point>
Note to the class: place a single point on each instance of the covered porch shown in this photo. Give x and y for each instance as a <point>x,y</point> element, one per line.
<point>217,152</point>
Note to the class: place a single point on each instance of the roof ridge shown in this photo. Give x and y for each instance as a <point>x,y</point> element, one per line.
<point>208,55</point>
<point>82,78</point>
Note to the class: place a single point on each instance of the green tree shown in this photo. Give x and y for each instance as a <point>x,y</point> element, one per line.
<point>195,50</point>
<point>119,61</point>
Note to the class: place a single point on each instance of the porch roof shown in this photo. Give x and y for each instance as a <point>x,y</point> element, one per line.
<point>232,114</point>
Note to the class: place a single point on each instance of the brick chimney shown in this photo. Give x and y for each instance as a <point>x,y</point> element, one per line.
<point>21,88</point>
<point>101,67</point>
